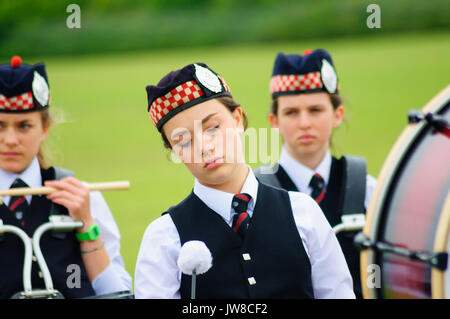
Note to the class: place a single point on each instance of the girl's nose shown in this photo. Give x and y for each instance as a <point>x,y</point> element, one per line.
<point>10,137</point>
<point>304,120</point>
<point>208,146</point>
<point>212,144</point>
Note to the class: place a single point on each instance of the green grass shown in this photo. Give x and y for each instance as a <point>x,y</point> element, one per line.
<point>109,136</point>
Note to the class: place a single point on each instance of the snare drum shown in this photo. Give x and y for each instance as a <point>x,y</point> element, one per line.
<point>407,230</point>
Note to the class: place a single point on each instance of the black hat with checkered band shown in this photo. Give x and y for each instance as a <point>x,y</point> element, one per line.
<point>23,87</point>
<point>181,89</point>
<point>311,72</point>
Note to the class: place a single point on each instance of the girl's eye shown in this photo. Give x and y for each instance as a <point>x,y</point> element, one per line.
<point>24,126</point>
<point>213,129</point>
<point>185,144</point>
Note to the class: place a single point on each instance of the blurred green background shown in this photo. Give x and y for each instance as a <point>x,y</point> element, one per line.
<point>98,76</point>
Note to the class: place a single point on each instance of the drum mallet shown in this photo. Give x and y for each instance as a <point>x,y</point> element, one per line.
<point>44,190</point>
<point>194,259</point>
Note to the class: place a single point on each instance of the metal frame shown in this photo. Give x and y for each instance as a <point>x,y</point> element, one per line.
<point>350,222</point>
<point>61,223</point>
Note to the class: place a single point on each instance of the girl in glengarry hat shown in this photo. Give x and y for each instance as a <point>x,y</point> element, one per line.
<point>25,121</point>
<point>306,108</point>
<point>265,242</point>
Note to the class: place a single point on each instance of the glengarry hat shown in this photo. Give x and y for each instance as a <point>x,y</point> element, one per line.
<point>181,89</point>
<point>23,87</point>
<point>311,72</point>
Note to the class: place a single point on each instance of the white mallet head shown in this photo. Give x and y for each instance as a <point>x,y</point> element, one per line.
<point>194,257</point>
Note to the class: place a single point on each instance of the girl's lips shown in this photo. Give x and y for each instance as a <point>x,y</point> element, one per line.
<point>306,139</point>
<point>9,154</point>
<point>213,163</point>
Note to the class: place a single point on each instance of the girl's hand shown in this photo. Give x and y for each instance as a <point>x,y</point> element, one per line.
<point>73,195</point>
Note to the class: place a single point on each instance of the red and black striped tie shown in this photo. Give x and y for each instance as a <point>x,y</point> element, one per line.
<point>241,219</point>
<point>18,204</point>
<point>317,184</point>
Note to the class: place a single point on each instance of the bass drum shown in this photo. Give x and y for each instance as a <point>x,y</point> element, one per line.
<point>406,234</point>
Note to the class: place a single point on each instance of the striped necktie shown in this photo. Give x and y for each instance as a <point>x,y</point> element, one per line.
<point>18,204</point>
<point>317,184</point>
<point>241,219</point>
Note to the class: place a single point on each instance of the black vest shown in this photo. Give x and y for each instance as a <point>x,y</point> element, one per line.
<point>59,250</point>
<point>331,206</point>
<point>278,261</point>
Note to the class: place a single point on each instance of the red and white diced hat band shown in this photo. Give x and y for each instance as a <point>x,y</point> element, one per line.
<point>181,89</point>
<point>311,72</point>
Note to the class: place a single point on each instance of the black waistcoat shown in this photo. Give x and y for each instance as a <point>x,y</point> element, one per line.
<point>59,250</point>
<point>331,207</point>
<point>278,261</point>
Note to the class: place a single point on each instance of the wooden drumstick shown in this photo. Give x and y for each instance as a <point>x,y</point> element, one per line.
<point>44,190</point>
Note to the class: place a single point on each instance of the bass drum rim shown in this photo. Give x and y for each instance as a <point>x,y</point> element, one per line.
<point>440,245</point>
<point>393,161</point>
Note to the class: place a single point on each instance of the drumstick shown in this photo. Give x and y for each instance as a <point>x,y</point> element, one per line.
<point>44,190</point>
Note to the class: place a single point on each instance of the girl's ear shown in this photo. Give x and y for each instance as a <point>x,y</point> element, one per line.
<point>338,116</point>
<point>237,115</point>
<point>273,120</point>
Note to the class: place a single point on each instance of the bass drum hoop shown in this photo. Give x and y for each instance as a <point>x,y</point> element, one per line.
<point>395,158</point>
<point>441,242</point>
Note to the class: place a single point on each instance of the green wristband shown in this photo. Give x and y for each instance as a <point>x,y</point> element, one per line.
<point>91,234</point>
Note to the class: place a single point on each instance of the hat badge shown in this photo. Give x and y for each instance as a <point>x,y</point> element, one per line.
<point>40,89</point>
<point>329,77</point>
<point>208,79</point>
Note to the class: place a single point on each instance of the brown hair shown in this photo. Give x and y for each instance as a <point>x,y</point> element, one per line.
<point>229,103</point>
<point>335,99</point>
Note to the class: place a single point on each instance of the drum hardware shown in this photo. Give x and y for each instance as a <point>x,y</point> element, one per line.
<point>28,253</point>
<point>350,222</point>
<point>56,223</point>
<point>438,122</point>
<point>126,294</point>
<point>62,223</point>
<point>438,260</point>
<point>38,294</point>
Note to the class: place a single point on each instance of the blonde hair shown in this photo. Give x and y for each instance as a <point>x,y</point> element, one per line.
<point>49,118</point>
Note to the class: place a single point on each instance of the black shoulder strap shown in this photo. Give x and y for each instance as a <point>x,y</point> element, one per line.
<point>354,192</point>
<point>265,174</point>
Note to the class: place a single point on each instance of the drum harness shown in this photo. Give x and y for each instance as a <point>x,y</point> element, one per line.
<point>355,171</point>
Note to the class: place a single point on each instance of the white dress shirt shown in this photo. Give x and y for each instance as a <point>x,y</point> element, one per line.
<point>301,175</point>
<point>114,278</point>
<point>158,276</point>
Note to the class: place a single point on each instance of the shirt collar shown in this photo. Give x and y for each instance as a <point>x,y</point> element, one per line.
<point>300,174</point>
<point>31,176</point>
<point>220,201</point>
